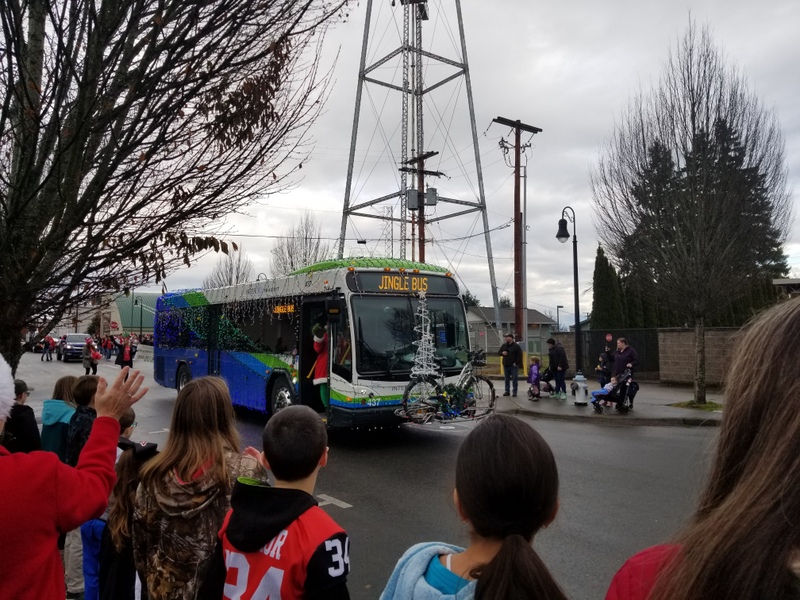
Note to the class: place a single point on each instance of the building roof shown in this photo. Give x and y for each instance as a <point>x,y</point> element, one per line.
<point>507,315</point>
<point>586,325</point>
<point>130,312</point>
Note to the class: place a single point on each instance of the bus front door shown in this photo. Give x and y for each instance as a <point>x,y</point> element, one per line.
<point>313,313</point>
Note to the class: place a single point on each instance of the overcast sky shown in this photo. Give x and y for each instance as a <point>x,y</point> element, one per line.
<point>568,68</point>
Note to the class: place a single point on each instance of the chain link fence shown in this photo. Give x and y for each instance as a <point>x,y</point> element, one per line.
<point>644,341</point>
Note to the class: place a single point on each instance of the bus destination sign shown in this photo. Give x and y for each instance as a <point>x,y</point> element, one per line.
<point>400,283</point>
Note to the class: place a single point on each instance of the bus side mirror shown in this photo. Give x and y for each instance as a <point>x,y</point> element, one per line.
<point>334,308</point>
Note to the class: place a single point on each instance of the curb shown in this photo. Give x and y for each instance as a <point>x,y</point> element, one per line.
<point>617,419</point>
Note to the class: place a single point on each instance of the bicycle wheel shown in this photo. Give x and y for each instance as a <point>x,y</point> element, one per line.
<point>421,398</point>
<point>480,398</point>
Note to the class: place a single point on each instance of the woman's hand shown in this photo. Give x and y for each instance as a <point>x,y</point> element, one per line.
<point>113,401</point>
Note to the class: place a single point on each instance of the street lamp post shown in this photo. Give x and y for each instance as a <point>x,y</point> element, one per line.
<point>558,317</point>
<point>562,236</point>
<point>138,302</point>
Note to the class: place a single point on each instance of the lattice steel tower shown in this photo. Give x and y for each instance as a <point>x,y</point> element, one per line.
<point>414,73</point>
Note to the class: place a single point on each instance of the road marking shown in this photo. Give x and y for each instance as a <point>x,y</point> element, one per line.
<point>165,430</point>
<point>328,500</point>
<point>446,427</point>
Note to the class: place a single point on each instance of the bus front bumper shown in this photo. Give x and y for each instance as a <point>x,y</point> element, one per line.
<point>379,416</point>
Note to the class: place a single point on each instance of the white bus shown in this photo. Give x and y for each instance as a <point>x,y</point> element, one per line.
<point>258,336</point>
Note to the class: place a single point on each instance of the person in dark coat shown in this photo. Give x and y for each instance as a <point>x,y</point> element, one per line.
<point>512,363</point>
<point>558,366</point>
<point>80,426</point>
<point>21,433</point>
<point>624,358</point>
<point>605,365</point>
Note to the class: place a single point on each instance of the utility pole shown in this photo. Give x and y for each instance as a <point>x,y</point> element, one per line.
<point>519,296</point>
<point>419,213</point>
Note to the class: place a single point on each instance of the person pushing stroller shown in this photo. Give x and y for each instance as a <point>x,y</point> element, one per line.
<point>620,391</point>
<point>625,361</point>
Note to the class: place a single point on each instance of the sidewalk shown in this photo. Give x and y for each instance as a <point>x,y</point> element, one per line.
<point>651,406</point>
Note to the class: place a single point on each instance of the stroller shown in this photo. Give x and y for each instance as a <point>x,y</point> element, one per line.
<point>621,395</point>
<point>546,382</point>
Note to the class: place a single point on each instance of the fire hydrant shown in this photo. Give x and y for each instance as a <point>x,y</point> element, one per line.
<point>579,384</point>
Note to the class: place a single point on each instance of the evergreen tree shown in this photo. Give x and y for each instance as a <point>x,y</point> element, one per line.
<point>470,299</point>
<point>620,316</point>
<point>633,307</point>
<point>607,310</point>
<point>649,313</point>
<point>693,188</point>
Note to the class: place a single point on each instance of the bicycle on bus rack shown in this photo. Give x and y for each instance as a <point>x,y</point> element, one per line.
<point>428,398</point>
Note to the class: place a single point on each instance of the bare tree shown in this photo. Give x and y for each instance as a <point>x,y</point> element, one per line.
<point>231,268</point>
<point>301,246</point>
<point>690,191</point>
<point>128,129</point>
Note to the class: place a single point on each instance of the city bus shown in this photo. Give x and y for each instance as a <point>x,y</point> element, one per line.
<point>258,336</point>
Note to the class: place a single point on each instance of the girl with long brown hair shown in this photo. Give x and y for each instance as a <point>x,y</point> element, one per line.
<point>744,540</point>
<point>184,492</point>
<point>117,573</point>
<point>506,491</point>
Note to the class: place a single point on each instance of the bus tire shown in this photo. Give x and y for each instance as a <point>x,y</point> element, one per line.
<point>281,396</point>
<point>182,378</point>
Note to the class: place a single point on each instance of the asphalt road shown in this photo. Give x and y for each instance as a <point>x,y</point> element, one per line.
<point>622,488</point>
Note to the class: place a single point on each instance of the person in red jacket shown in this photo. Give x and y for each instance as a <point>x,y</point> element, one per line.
<point>743,541</point>
<point>43,498</point>
<point>321,365</point>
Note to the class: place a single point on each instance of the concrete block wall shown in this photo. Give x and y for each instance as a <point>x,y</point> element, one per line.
<point>677,354</point>
<point>567,339</point>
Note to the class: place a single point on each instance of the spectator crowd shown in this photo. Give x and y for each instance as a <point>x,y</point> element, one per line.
<point>88,513</point>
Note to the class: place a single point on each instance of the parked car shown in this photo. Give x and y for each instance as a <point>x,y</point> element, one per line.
<point>74,346</point>
<point>31,347</point>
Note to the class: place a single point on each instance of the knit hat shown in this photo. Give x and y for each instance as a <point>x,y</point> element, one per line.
<point>7,395</point>
<point>318,331</point>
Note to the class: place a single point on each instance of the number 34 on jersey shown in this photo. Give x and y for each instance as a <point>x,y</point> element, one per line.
<point>270,574</point>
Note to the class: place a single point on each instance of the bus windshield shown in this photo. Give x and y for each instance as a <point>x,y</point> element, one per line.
<point>385,334</point>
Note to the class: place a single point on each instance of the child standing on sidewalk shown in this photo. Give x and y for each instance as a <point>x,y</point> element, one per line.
<point>275,540</point>
<point>533,379</point>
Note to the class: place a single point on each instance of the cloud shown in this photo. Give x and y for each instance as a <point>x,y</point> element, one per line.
<point>567,68</point>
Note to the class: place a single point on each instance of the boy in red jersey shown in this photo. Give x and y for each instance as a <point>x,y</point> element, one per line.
<point>275,541</point>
